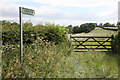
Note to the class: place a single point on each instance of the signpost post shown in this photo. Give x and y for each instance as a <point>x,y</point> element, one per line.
<point>26,11</point>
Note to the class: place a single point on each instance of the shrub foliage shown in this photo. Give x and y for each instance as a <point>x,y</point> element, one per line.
<point>50,32</point>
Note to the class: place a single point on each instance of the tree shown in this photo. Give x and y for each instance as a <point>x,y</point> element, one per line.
<point>70,28</point>
<point>107,24</point>
<point>100,25</point>
<point>4,22</point>
<point>87,27</point>
<point>76,29</point>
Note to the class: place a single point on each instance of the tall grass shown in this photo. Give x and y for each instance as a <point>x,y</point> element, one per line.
<point>89,65</point>
<point>40,59</point>
<point>43,59</point>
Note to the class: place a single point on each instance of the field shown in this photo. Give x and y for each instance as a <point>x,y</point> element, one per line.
<point>98,32</point>
<point>44,59</point>
<point>112,27</point>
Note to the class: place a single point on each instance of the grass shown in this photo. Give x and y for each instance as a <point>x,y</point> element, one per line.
<point>111,27</point>
<point>40,59</point>
<point>43,59</point>
<point>97,32</point>
<point>88,65</point>
<point>57,61</point>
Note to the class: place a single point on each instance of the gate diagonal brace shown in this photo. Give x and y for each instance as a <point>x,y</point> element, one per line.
<point>101,44</point>
<point>76,41</point>
<point>80,44</point>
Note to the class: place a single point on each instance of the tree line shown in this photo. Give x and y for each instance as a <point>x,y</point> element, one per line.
<point>87,27</point>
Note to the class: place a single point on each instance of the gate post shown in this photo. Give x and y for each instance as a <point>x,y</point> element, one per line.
<point>112,37</point>
<point>112,43</point>
<point>70,37</point>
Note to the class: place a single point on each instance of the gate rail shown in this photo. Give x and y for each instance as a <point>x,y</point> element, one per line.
<point>99,46</point>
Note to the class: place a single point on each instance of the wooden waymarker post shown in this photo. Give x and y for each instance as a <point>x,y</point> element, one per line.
<point>26,11</point>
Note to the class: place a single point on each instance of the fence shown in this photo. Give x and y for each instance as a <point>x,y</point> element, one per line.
<point>97,43</point>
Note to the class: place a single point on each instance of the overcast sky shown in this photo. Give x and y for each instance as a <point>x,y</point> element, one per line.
<point>63,12</point>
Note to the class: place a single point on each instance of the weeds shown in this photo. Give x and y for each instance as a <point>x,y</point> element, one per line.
<point>40,59</point>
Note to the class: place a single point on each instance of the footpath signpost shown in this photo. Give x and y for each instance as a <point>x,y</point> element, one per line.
<point>26,11</point>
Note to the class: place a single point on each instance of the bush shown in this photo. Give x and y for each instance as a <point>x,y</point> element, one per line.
<point>10,33</point>
<point>116,44</point>
<point>70,28</point>
<point>50,32</point>
<point>56,33</point>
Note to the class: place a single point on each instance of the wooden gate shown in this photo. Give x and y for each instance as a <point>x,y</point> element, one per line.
<point>97,43</point>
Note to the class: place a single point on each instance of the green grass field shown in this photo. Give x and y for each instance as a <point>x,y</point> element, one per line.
<point>97,32</point>
<point>111,27</point>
